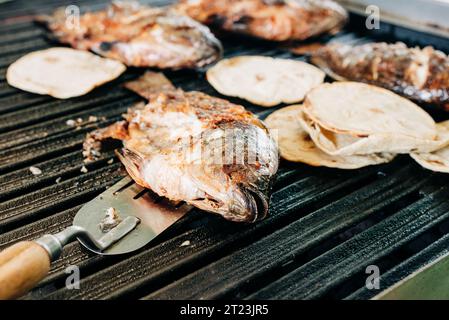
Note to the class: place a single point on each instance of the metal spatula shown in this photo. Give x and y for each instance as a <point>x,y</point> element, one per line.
<point>140,216</point>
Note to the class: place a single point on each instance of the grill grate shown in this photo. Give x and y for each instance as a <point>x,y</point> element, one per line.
<point>325,226</point>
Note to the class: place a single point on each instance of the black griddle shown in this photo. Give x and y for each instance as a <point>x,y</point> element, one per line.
<point>325,226</point>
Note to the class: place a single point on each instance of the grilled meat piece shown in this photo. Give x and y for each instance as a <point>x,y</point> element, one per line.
<point>139,36</point>
<point>277,20</point>
<point>189,146</point>
<point>418,74</point>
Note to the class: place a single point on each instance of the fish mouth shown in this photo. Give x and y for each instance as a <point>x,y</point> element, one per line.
<point>249,206</point>
<point>255,206</point>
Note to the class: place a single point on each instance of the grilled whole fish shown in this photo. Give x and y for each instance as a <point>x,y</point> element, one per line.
<point>189,146</point>
<point>418,74</point>
<point>276,20</point>
<point>138,36</point>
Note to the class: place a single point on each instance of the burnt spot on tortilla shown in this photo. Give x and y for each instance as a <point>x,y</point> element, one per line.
<point>51,59</point>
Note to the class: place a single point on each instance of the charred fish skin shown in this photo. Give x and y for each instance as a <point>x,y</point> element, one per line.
<point>139,36</point>
<point>274,20</point>
<point>189,146</point>
<point>418,74</point>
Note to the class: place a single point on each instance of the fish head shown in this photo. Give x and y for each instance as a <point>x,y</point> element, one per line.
<point>235,170</point>
<point>227,170</point>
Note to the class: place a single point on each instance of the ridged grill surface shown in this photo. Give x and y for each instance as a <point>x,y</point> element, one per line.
<point>325,226</point>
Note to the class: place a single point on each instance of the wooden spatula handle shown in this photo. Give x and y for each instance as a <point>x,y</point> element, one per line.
<point>22,266</point>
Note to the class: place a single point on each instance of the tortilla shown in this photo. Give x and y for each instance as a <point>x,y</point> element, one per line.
<point>360,109</point>
<point>264,81</point>
<point>344,144</point>
<point>437,160</point>
<point>62,72</point>
<point>296,145</point>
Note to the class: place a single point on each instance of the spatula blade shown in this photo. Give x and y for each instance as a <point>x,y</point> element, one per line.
<point>129,199</point>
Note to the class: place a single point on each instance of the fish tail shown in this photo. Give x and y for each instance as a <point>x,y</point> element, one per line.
<point>150,84</point>
<point>133,163</point>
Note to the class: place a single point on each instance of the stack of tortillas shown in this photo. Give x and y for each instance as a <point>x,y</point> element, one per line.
<point>350,125</point>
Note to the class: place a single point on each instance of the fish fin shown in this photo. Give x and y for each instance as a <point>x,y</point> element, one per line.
<point>133,163</point>
<point>92,144</point>
<point>117,130</point>
<point>150,84</point>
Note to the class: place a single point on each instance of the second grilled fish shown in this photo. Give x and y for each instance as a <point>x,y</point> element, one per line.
<point>276,20</point>
<point>418,74</point>
<point>188,146</point>
<point>139,36</point>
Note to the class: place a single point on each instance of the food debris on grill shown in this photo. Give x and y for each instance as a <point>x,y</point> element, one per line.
<point>92,145</point>
<point>418,74</point>
<point>35,170</point>
<point>110,220</point>
<point>79,121</point>
<point>271,20</point>
<point>83,169</point>
<point>139,36</point>
<point>92,149</point>
<point>177,144</point>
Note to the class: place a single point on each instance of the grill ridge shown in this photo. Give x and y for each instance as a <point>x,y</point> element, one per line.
<point>324,226</point>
